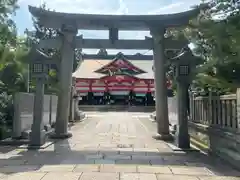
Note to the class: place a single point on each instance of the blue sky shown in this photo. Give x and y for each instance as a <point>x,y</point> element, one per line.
<point>23,17</point>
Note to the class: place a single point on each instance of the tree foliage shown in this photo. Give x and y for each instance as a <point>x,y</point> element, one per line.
<point>41,33</point>
<point>7,26</point>
<point>13,53</point>
<point>215,33</point>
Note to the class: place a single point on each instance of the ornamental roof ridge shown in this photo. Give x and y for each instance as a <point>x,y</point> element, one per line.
<point>119,56</point>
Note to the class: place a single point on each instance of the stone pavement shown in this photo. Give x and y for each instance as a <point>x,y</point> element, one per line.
<point>111,146</point>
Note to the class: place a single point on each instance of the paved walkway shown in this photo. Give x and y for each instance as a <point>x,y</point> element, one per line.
<point>111,146</point>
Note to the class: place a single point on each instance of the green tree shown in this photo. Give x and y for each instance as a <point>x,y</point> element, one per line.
<point>12,56</point>
<point>13,79</point>
<point>7,26</point>
<point>215,35</point>
<point>42,32</point>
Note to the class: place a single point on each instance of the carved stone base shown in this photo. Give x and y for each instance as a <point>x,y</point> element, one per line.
<point>182,140</point>
<point>37,138</point>
<point>44,146</point>
<point>80,115</point>
<point>60,136</point>
<point>164,137</point>
<point>176,148</point>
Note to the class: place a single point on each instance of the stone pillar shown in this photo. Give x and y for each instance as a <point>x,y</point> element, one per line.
<point>17,121</point>
<point>182,137</point>
<point>71,107</point>
<point>64,95</point>
<point>38,134</point>
<point>78,114</point>
<point>161,101</point>
<point>238,108</point>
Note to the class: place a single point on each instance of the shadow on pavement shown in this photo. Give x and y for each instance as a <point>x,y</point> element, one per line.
<point>63,153</point>
<point>96,147</point>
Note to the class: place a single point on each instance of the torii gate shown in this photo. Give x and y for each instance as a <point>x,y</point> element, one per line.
<point>69,25</point>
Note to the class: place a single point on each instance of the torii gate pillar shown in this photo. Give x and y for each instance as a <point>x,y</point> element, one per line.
<point>160,85</point>
<point>64,95</point>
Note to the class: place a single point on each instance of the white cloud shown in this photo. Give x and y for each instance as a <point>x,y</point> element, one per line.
<point>123,9</point>
<point>177,7</point>
<point>80,6</point>
<point>167,8</point>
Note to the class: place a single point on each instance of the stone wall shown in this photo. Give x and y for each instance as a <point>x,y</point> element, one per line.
<point>23,112</point>
<point>106,108</point>
<point>172,110</point>
<point>214,126</point>
<point>53,107</point>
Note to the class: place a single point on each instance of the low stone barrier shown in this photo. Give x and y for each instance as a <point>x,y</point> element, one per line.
<point>53,111</point>
<point>106,108</point>
<point>23,112</point>
<point>172,111</point>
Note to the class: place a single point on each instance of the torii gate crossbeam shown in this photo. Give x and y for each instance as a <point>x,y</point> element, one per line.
<point>106,44</point>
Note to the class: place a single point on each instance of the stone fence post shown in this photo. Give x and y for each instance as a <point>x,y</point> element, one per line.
<point>17,123</point>
<point>192,106</point>
<point>238,108</point>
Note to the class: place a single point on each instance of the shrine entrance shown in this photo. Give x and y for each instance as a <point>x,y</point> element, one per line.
<point>69,24</point>
<point>118,80</point>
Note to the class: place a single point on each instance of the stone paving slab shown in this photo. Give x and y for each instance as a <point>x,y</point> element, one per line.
<point>9,162</point>
<point>99,176</point>
<point>105,161</point>
<point>118,168</point>
<point>25,176</point>
<point>57,168</point>
<point>118,157</point>
<point>134,161</point>
<point>115,146</point>
<point>62,176</point>
<point>2,175</point>
<point>149,158</point>
<point>77,161</point>
<point>177,177</point>
<point>219,178</point>
<point>168,162</point>
<point>18,168</point>
<point>87,168</point>
<point>191,171</point>
<point>137,176</point>
<point>154,169</point>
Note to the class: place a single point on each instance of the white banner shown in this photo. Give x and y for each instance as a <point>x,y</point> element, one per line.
<point>98,94</point>
<point>124,93</point>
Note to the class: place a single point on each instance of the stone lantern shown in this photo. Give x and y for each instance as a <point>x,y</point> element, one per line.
<point>75,113</point>
<point>184,67</point>
<point>39,71</point>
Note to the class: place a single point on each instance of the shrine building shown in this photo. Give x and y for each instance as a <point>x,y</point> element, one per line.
<point>116,81</point>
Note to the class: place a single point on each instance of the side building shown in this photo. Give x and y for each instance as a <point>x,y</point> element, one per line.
<point>116,81</point>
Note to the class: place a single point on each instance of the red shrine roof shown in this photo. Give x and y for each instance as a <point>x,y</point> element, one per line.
<point>97,68</point>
